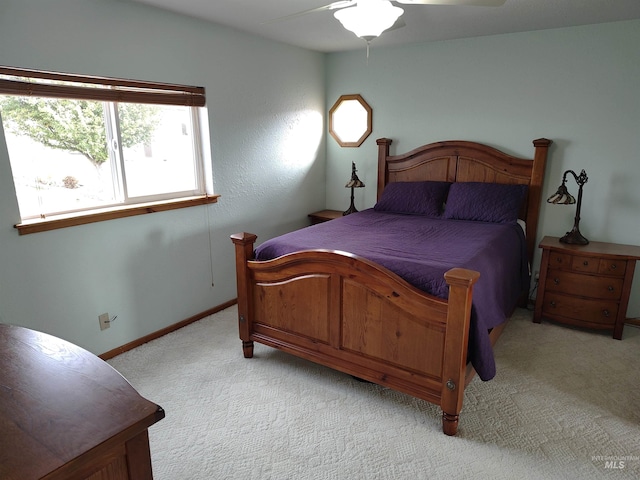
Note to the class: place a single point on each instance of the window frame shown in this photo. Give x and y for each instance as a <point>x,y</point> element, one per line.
<point>365,128</point>
<point>110,213</point>
<point>114,90</point>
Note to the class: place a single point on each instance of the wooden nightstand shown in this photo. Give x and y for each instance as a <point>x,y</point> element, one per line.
<point>324,216</point>
<point>586,285</point>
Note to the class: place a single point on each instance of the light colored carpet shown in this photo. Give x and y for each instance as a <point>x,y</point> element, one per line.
<point>564,404</point>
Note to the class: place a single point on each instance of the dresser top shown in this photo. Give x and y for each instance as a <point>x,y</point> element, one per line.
<point>58,401</point>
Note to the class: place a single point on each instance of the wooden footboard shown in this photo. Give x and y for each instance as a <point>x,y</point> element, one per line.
<point>348,313</point>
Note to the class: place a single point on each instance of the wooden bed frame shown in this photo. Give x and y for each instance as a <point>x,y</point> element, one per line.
<point>350,314</point>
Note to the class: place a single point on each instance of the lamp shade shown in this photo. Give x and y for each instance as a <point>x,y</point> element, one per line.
<point>369,18</point>
<point>354,183</point>
<point>562,197</point>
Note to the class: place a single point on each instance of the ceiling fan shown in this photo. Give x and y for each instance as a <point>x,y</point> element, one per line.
<point>367,19</point>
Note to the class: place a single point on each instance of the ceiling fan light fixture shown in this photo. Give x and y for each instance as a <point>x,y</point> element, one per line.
<point>368,19</point>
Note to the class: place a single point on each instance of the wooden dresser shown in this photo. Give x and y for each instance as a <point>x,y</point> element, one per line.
<point>586,285</point>
<point>66,414</point>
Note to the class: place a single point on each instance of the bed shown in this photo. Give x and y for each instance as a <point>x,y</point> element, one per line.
<point>347,307</point>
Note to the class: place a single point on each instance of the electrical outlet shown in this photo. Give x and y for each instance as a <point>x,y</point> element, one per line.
<point>104,321</point>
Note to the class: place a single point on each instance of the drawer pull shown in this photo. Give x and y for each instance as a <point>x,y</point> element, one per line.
<point>605,313</point>
<point>556,281</point>
<point>610,288</point>
<point>613,266</point>
<point>585,263</point>
<point>553,304</point>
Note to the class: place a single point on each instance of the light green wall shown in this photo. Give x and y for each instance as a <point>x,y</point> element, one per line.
<point>578,86</point>
<point>266,103</point>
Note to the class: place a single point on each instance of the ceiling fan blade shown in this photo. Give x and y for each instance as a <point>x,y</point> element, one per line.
<point>399,24</point>
<point>480,3</point>
<point>331,6</point>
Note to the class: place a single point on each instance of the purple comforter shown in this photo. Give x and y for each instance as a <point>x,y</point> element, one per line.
<point>420,250</point>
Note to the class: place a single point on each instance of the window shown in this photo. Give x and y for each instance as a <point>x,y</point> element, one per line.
<point>350,120</point>
<point>81,146</point>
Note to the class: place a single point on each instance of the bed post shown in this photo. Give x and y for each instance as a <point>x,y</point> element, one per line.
<point>383,173</point>
<point>460,283</point>
<point>244,252</point>
<point>535,192</point>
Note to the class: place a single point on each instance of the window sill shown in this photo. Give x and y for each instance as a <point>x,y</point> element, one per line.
<point>71,220</point>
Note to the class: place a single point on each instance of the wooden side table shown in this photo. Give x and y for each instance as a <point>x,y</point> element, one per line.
<point>324,216</point>
<point>586,285</point>
<point>68,415</point>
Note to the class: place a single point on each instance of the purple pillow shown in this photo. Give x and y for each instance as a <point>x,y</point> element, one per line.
<point>485,202</point>
<point>414,198</point>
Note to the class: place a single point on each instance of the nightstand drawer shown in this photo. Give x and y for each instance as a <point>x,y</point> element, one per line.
<point>607,288</point>
<point>612,267</point>
<point>584,311</point>
<point>560,260</point>
<point>585,264</point>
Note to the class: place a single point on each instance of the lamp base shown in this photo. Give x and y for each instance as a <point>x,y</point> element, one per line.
<point>574,237</point>
<point>352,209</point>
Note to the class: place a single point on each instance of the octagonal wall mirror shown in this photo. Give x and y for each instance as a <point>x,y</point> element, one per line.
<point>350,120</point>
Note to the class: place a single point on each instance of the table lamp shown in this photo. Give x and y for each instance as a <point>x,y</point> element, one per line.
<point>563,197</point>
<point>355,182</point>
